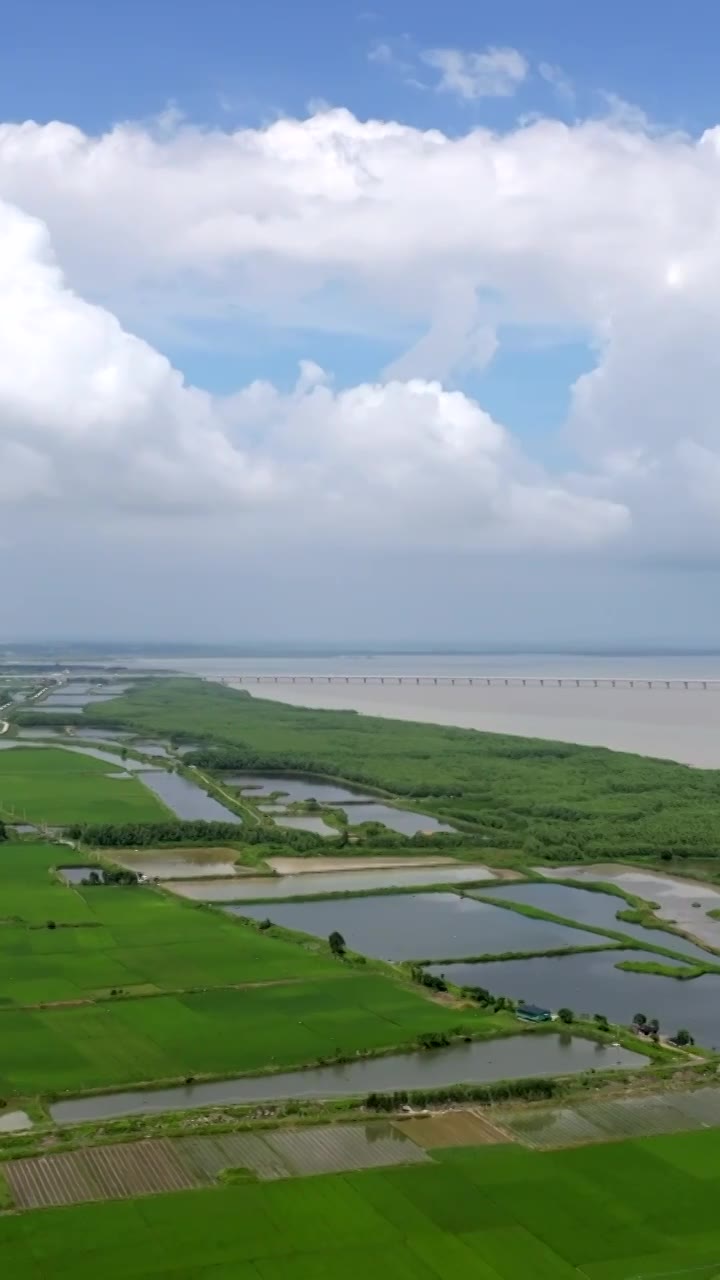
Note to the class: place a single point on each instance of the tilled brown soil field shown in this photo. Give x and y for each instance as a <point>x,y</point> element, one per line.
<point>452,1129</point>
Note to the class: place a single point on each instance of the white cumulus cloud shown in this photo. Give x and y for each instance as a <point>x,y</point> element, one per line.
<point>93,419</point>
<point>607,230</point>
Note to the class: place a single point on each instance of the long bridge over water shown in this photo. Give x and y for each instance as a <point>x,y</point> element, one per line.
<point>710,683</point>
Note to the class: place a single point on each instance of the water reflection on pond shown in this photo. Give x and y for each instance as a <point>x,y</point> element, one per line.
<point>480,1062</point>
<point>599,909</point>
<point>288,886</point>
<point>293,788</point>
<point>590,983</point>
<point>402,820</point>
<point>683,902</point>
<point>186,799</point>
<point>410,926</point>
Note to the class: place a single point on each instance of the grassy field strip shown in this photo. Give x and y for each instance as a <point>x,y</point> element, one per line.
<point>204,1034</point>
<point>614,1211</point>
<point>55,787</point>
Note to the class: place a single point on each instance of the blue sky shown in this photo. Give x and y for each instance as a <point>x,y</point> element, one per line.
<point>509,281</point>
<point>98,63</point>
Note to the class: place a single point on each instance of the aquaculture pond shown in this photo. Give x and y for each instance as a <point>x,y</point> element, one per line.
<point>405,821</point>
<point>598,909</point>
<point>98,735</point>
<point>682,902</point>
<point>590,983</point>
<point>479,1062</point>
<point>318,882</point>
<point>292,787</point>
<point>186,800</point>
<point>421,926</point>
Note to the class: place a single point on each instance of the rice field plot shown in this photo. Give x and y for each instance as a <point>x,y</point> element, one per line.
<point>221,1032</point>
<point>451,1129</point>
<point>552,1127</point>
<point>618,1211</point>
<point>99,1173</point>
<point>601,1120</point>
<point>210,1155</point>
<point>335,1148</point>
<point>140,941</point>
<point>56,787</point>
<point>636,1117</point>
<point>28,893</point>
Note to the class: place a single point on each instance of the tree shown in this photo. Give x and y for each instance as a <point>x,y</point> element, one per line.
<point>683,1037</point>
<point>337,943</point>
<point>654,1026</point>
<point>601,1021</point>
<point>639,1020</point>
<point>566,1015</point>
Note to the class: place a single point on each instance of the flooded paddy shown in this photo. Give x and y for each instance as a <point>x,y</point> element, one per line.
<point>598,909</point>
<point>676,898</point>
<point>304,866</point>
<point>288,886</point>
<point>184,798</point>
<point>180,864</point>
<point>292,787</point>
<point>15,1122</point>
<point>411,927</point>
<point>590,983</point>
<point>479,1062</point>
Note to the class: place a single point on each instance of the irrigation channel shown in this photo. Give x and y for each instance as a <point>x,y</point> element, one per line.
<point>479,1062</point>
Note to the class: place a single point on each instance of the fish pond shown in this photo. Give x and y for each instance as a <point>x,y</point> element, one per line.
<point>186,800</point>
<point>292,787</point>
<point>515,1057</point>
<point>422,926</point>
<point>682,902</point>
<point>405,821</point>
<point>267,888</point>
<point>590,983</point>
<point>598,909</point>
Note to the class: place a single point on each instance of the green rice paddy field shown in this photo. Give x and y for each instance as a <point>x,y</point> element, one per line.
<point>610,1212</point>
<point>203,994</point>
<point>42,784</point>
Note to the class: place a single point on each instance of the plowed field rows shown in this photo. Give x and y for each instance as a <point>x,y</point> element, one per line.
<point>156,1165</point>
<point>336,1148</point>
<point>99,1173</point>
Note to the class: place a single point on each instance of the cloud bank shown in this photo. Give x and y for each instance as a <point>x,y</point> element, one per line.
<point>606,228</point>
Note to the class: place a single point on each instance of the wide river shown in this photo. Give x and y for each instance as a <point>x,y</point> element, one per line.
<point>677,724</point>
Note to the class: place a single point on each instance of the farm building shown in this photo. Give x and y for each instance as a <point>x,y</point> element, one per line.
<point>533,1013</point>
